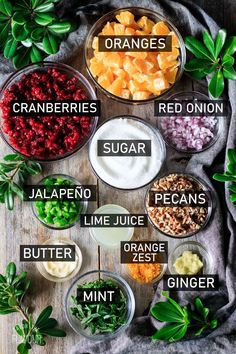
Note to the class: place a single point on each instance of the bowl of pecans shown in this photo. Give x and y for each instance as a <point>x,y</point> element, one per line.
<point>179,205</point>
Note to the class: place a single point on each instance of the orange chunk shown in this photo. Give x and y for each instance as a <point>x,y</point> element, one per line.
<point>104,81</point>
<point>96,67</point>
<point>175,41</point>
<point>108,30</point>
<point>119,29</point>
<point>129,31</point>
<point>170,56</point>
<point>140,55</point>
<point>145,24</point>
<point>160,28</point>
<point>141,95</point>
<point>116,87</point>
<point>95,43</point>
<point>129,66</point>
<point>120,73</point>
<point>171,75</point>
<point>125,93</point>
<point>125,18</point>
<point>165,64</point>
<point>143,66</point>
<point>140,33</point>
<point>136,86</point>
<point>140,77</point>
<point>113,60</point>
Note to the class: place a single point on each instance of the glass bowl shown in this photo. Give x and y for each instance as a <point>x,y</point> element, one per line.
<point>196,248</point>
<point>66,241</point>
<point>84,203</point>
<point>147,127</point>
<point>190,96</point>
<point>106,209</point>
<point>138,12</point>
<point>82,83</point>
<point>211,205</point>
<point>92,276</point>
<point>153,281</point>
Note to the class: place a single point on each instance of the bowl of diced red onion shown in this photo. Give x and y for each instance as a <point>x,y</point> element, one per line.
<point>189,134</point>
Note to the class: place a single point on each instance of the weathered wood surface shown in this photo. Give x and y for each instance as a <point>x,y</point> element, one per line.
<point>21,227</point>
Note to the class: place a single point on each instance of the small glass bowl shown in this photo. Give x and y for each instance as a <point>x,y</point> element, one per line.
<point>138,12</point>
<point>153,281</point>
<point>83,202</point>
<point>158,136</point>
<point>211,205</point>
<point>190,96</point>
<point>66,241</point>
<point>44,67</point>
<point>196,248</point>
<point>103,210</point>
<point>92,276</point>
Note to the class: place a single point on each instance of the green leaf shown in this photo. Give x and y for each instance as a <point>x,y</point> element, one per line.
<point>213,324</point>
<point>36,55</point>
<point>216,86</point>
<point>50,44</point>
<point>209,43</point>
<point>45,6</point>
<point>53,332</point>
<point>10,272</point>
<point>200,331</point>
<point>60,27</point>
<point>38,34</point>
<point>196,64</point>
<point>10,48</point>
<point>44,315</point>
<point>9,199</point>
<point>227,60</point>
<point>199,306</point>
<point>166,312</point>
<point>22,57</point>
<point>230,46</point>
<point>23,348</point>
<point>229,73</point>
<point>18,190</point>
<point>220,41</point>
<point>197,74</point>
<point>27,43</point>
<point>232,188</point>
<point>232,198</point>
<point>223,178</point>
<point>38,339</point>
<point>19,17</point>
<point>231,155</point>
<point>205,312</point>
<point>44,19</point>
<point>19,278</point>
<point>51,323</point>
<point>197,48</point>
<point>13,157</point>
<point>171,332</point>
<point>7,167</point>
<point>12,301</point>
<point>6,7</point>
<point>19,32</point>
<point>4,32</point>
<point>178,308</point>
<point>19,330</point>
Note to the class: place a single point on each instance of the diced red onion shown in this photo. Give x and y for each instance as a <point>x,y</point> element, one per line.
<point>188,133</point>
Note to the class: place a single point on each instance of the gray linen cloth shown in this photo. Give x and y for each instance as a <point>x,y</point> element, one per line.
<point>219,235</point>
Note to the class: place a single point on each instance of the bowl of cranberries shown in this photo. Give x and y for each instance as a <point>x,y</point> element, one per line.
<point>46,137</point>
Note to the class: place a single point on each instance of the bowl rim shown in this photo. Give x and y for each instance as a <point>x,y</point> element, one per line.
<point>193,243</point>
<point>155,131</point>
<point>85,84</point>
<point>84,202</point>
<point>205,186</point>
<point>216,133</point>
<point>162,18</point>
<point>130,303</point>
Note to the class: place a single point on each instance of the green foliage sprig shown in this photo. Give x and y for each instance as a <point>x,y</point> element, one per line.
<point>181,319</point>
<point>212,57</point>
<point>30,30</point>
<point>14,172</point>
<point>13,289</point>
<point>230,174</point>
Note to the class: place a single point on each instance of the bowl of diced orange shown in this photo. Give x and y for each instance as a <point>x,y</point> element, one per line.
<point>134,77</point>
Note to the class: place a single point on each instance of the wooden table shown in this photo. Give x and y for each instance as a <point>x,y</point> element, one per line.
<point>21,227</point>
